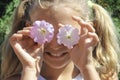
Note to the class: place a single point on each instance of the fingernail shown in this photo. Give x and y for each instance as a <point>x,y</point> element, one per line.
<point>60,24</point>
<point>76,17</point>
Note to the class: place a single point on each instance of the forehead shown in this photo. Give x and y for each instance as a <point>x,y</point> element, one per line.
<point>56,14</point>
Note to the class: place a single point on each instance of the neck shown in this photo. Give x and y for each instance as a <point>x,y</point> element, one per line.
<point>65,73</point>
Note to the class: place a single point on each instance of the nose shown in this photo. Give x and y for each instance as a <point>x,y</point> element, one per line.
<point>55,48</point>
<point>54,44</point>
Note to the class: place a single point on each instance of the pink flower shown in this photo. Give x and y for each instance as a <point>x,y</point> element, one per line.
<point>42,32</point>
<point>68,36</point>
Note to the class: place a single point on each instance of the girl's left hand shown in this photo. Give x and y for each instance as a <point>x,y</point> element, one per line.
<point>81,54</point>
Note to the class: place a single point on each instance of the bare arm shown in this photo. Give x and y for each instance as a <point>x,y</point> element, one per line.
<point>29,74</point>
<point>89,73</point>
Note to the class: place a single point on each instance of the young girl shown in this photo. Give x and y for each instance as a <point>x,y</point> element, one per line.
<point>94,57</point>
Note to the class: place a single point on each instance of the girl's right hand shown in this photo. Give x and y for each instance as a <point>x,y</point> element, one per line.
<point>27,51</point>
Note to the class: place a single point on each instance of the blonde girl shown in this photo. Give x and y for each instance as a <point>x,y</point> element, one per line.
<point>93,58</point>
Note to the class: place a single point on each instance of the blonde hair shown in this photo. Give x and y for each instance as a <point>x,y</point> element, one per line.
<point>10,64</point>
<point>105,53</point>
<point>107,49</point>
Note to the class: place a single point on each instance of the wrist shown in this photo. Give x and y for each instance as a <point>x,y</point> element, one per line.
<point>87,67</point>
<point>29,69</point>
<point>29,74</point>
<point>89,72</point>
<point>33,71</point>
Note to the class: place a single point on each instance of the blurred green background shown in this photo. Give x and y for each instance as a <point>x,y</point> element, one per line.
<point>7,8</point>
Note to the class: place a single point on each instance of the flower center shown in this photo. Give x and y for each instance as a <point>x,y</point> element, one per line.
<point>42,31</point>
<point>68,36</point>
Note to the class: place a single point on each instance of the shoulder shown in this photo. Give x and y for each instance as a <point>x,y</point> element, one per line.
<point>14,77</point>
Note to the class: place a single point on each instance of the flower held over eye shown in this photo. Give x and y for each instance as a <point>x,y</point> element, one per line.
<point>42,32</point>
<point>68,36</point>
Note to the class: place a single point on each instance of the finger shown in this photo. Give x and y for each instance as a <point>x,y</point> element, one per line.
<point>84,24</point>
<point>91,23</point>
<point>78,19</point>
<point>28,23</point>
<point>27,28</point>
<point>38,64</point>
<point>84,31</point>
<point>94,39</point>
<point>60,25</point>
<point>80,22</point>
<point>24,32</point>
<point>38,50</point>
<point>19,51</point>
<point>89,27</point>
<point>39,61</point>
<point>22,55</point>
<point>28,43</point>
<point>14,38</point>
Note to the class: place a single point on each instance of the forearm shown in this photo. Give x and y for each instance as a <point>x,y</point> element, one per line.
<point>29,74</point>
<point>89,73</point>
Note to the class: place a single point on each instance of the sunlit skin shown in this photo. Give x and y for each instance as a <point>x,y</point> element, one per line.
<point>58,60</point>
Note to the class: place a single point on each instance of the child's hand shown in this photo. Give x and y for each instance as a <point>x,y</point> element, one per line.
<point>81,54</point>
<point>27,51</point>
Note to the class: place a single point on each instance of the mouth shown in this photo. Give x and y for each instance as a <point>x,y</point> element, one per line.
<point>56,54</point>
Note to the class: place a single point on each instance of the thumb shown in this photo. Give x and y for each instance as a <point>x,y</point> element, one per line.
<point>39,61</point>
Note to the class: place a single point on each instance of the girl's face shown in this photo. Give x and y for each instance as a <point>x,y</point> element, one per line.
<point>56,56</point>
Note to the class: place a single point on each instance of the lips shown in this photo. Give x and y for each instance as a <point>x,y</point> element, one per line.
<point>56,59</point>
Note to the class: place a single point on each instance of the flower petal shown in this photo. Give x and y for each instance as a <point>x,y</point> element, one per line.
<point>68,36</point>
<point>42,32</point>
